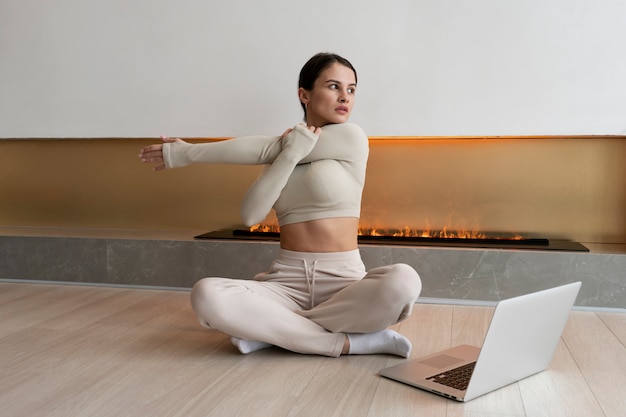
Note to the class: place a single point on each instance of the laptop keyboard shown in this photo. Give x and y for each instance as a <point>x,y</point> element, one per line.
<point>456,378</point>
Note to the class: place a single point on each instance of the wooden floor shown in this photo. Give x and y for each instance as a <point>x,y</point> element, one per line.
<point>94,351</point>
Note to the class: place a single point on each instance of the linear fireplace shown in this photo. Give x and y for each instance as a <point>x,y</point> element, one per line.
<point>526,193</point>
<point>486,240</point>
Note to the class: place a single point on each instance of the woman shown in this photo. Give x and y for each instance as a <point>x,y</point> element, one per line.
<point>316,297</point>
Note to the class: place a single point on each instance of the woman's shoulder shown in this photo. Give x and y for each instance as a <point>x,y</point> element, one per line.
<point>348,139</point>
<point>345,129</point>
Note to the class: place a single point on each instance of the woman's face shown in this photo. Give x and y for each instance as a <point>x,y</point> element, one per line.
<point>332,97</point>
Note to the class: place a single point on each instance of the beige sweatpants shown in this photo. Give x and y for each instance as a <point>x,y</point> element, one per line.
<point>307,302</point>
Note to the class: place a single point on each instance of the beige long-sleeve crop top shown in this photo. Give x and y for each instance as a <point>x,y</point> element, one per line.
<point>306,178</point>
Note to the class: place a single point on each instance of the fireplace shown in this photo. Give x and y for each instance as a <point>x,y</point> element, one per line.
<point>471,198</point>
<point>528,193</point>
<point>415,238</point>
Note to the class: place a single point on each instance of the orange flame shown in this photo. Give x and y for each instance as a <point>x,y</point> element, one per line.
<point>265,228</point>
<point>409,232</point>
<point>404,232</point>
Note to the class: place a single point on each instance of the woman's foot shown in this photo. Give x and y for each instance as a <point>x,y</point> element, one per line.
<point>384,341</point>
<point>248,346</point>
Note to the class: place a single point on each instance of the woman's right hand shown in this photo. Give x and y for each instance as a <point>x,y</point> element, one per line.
<point>315,130</point>
<point>153,154</point>
<point>300,140</point>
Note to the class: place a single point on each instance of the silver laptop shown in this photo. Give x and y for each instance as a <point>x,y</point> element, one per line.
<point>520,342</point>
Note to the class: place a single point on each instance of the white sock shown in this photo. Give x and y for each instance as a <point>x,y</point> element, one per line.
<point>248,346</point>
<point>384,341</point>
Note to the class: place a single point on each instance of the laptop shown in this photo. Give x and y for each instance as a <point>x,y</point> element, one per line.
<point>521,340</point>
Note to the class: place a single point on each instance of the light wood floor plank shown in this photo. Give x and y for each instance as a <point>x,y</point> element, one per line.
<point>109,301</point>
<point>346,385</point>
<point>32,308</point>
<point>11,291</point>
<point>565,387</point>
<point>91,351</point>
<point>428,334</point>
<point>615,322</point>
<point>601,357</point>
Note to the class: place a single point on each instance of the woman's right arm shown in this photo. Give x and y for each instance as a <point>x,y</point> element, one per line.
<point>297,143</point>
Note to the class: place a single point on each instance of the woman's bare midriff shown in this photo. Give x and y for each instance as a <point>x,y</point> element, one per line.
<point>324,235</point>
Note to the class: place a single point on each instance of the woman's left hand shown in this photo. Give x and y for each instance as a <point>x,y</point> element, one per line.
<point>154,153</point>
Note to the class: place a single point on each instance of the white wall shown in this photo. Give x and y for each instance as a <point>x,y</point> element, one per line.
<point>136,68</point>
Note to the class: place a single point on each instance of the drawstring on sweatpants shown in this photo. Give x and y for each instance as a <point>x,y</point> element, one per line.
<point>310,281</point>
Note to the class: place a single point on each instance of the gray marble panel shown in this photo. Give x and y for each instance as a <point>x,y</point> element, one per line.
<point>492,275</point>
<point>53,259</point>
<point>447,273</point>
<point>182,263</point>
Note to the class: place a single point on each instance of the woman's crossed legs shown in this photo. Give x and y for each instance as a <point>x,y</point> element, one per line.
<point>275,308</point>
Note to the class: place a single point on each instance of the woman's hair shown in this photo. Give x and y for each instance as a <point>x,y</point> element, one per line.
<point>314,66</point>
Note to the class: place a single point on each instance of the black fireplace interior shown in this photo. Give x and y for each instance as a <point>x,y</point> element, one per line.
<point>491,241</point>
